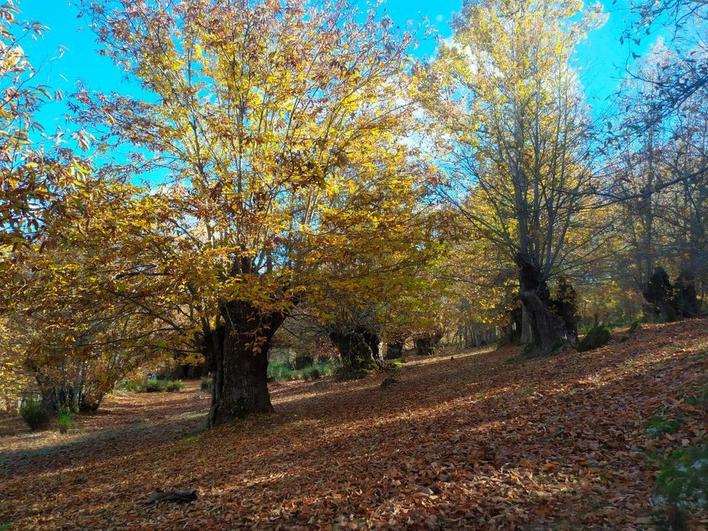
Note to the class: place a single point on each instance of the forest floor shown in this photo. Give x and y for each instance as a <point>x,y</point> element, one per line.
<point>479,439</point>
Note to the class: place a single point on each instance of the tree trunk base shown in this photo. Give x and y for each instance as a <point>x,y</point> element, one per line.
<point>358,348</point>
<point>548,330</point>
<point>240,380</point>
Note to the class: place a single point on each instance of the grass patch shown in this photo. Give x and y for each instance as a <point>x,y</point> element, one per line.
<point>633,324</point>
<point>34,414</point>
<point>133,386</point>
<point>392,365</point>
<point>283,371</point>
<point>191,438</point>
<point>681,485</point>
<point>65,420</point>
<point>152,385</point>
<point>700,398</point>
<point>659,425</point>
<point>595,338</point>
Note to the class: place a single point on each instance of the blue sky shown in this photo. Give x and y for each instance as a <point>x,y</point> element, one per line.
<point>601,59</point>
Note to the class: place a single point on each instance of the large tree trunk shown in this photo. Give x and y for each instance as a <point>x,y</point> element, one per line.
<point>659,293</point>
<point>685,297</point>
<point>394,349</point>
<point>58,397</point>
<point>358,348</point>
<point>547,329</point>
<point>526,335</point>
<point>426,344</point>
<point>513,332</point>
<point>565,305</point>
<point>240,363</point>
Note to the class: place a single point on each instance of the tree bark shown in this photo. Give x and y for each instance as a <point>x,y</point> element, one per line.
<point>358,348</point>
<point>526,335</point>
<point>659,293</point>
<point>685,297</point>
<point>513,331</point>
<point>394,349</point>
<point>565,305</point>
<point>425,344</point>
<point>547,329</point>
<point>240,363</point>
<point>56,397</point>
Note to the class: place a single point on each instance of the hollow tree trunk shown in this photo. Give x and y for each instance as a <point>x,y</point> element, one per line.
<point>547,329</point>
<point>240,363</point>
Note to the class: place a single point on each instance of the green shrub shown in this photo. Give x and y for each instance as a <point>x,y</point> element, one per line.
<point>284,372</point>
<point>173,386</point>
<point>325,367</point>
<point>303,361</point>
<point>700,398</point>
<point>596,337</point>
<point>65,420</point>
<point>311,373</point>
<point>34,414</point>
<point>206,384</point>
<point>392,365</point>
<point>133,386</point>
<point>659,425</point>
<point>682,484</point>
<point>279,371</point>
<point>153,386</point>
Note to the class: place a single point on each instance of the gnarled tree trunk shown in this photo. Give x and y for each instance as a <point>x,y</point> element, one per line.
<point>359,348</point>
<point>547,328</point>
<point>685,297</point>
<point>526,334</point>
<point>426,344</point>
<point>240,362</point>
<point>659,293</point>
<point>513,332</point>
<point>565,305</point>
<point>394,349</point>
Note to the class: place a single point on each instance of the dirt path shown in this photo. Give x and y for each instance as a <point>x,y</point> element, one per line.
<point>478,440</point>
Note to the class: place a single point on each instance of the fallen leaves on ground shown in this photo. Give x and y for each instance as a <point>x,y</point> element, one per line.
<point>477,440</point>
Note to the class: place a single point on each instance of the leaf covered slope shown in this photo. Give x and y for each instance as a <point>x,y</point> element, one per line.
<point>476,440</point>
